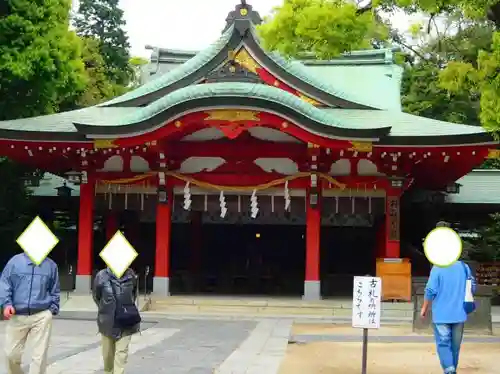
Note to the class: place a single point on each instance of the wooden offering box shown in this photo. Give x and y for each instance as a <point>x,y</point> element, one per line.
<point>396,278</point>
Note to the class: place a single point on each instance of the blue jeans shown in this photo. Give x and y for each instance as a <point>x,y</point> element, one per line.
<point>448,341</point>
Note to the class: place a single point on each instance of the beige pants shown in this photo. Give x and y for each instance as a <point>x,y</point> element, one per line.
<point>115,354</point>
<point>37,328</point>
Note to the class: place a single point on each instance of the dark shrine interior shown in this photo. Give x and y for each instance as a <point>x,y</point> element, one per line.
<point>266,259</point>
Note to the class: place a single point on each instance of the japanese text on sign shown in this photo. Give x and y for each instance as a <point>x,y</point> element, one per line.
<point>366,302</point>
<point>393,203</point>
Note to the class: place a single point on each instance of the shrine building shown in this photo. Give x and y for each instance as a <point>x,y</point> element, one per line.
<point>234,170</point>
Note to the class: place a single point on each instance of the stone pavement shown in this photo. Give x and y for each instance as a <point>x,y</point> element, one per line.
<point>172,346</point>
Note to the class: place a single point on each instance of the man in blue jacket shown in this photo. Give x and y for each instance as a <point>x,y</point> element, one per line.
<point>445,290</point>
<point>30,296</point>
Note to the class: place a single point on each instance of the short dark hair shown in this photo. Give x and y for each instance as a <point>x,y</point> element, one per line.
<point>443,224</point>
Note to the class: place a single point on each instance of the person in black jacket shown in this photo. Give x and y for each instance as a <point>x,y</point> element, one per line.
<point>117,316</point>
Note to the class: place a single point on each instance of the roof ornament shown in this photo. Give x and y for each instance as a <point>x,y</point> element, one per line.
<point>232,71</point>
<point>242,17</point>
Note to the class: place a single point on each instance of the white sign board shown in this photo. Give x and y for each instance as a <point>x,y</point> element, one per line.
<point>366,302</point>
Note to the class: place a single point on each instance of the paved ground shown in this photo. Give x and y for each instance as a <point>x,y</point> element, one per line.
<point>173,346</point>
<point>336,349</point>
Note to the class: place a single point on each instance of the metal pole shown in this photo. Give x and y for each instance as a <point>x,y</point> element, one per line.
<point>70,276</point>
<point>365,351</point>
<point>146,274</point>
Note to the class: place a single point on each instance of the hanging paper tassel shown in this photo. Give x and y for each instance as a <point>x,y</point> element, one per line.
<point>126,197</point>
<point>142,202</point>
<point>223,209</point>
<point>187,197</point>
<point>287,197</point>
<point>253,204</point>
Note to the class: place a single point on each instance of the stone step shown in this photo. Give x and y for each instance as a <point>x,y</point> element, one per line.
<point>269,307</point>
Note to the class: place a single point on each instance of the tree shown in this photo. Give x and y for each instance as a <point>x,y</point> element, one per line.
<point>483,79</point>
<point>99,87</point>
<point>326,28</point>
<point>103,21</point>
<point>423,93</point>
<point>486,246</point>
<point>40,59</point>
<point>479,76</point>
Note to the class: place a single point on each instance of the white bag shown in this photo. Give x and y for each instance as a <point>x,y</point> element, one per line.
<point>469,298</point>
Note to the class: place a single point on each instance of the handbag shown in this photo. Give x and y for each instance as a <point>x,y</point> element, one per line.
<point>126,315</point>
<point>469,303</point>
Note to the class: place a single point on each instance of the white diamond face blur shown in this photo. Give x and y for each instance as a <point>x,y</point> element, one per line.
<point>118,254</point>
<point>37,241</point>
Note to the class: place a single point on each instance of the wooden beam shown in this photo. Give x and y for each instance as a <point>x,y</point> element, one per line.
<point>251,149</point>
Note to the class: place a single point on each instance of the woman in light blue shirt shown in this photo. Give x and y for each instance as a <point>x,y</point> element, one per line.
<point>445,291</point>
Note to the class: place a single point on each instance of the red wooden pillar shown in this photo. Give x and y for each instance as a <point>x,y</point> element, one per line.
<point>161,281</point>
<point>85,238</point>
<point>312,284</point>
<point>392,223</point>
<point>111,224</point>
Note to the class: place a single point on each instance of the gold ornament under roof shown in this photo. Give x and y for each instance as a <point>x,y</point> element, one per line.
<point>361,146</point>
<point>232,115</point>
<point>493,153</point>
<point>244,58</point>
<point>104,143</point>
<point>307,99</point>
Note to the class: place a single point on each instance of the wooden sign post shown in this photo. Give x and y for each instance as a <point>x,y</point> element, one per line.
<point>366,309</point>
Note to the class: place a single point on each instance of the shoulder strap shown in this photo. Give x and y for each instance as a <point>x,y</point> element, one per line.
<point>466,270</point>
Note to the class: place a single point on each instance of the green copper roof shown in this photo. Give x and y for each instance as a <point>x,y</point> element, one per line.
<point>63,122</point>
<point>403,124</point>
<point>366,82</point>
<point>242,90</point>
<point>400,124</point>
<point>189,67</point>
<point>297,69</point>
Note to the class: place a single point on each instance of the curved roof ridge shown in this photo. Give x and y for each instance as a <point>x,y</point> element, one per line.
<point>243,90</point>
<point>298,69</point>
<point>182,71</point>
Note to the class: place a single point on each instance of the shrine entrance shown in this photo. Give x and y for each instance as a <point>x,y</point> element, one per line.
<point>241,255</point>
<point>239,259</point>
<point>238,254</point>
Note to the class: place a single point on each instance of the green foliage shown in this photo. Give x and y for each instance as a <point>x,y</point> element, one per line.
<point>471,8</point>
<point>423,96</point>
<point>40,59</point>
<point>99,87</point>
<point>486,248</point>
<point>136,64</point>
<point>482,78</point>
<point>103,21</point>
<point>479,75</point>
<point>491,163</point>
<point>326,28</point>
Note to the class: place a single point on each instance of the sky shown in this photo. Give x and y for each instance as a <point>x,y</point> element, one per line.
<point>189,24</point>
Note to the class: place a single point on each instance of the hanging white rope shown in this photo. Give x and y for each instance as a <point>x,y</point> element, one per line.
<point>287,197</point>
<point>254,208</point>
<point>187,197</point>
<point>222,201</point>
